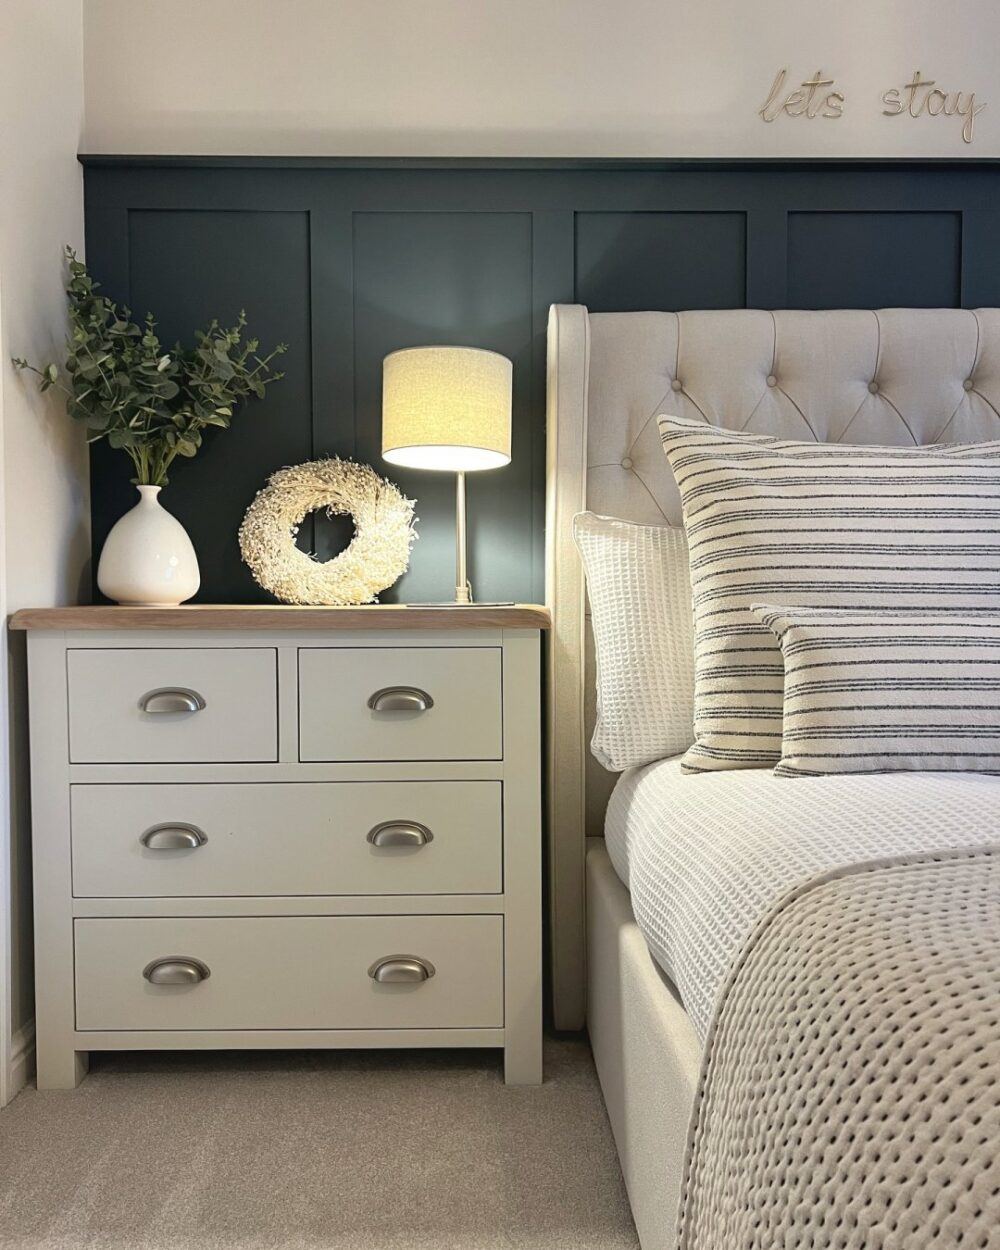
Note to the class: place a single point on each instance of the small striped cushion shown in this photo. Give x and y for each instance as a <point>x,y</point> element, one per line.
<point>915,530</point>
<point>882,692</point>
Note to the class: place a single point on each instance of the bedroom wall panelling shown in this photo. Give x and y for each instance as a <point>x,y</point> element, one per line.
<point>348,259</point>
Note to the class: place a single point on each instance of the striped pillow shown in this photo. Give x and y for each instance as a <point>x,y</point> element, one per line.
<point>820,525</point>
<point>881,692</point>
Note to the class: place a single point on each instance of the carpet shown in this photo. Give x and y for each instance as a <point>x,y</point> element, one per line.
<point>314,1150</point>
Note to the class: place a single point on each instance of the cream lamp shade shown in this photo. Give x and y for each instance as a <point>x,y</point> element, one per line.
<point>446,408</point>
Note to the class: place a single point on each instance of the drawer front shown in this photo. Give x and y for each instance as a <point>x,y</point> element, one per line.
<point>308,972</point>
<point>459,687</point>
<point>236,722</point>
<point>405,837</point>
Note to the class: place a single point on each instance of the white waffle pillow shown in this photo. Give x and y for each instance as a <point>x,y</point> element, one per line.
<point>640,603</point>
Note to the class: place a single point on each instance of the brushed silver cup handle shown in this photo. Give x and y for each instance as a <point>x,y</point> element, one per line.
<point>401,970</point>
<point>173,837</point>
<point>400,833</point>
<point>176,970</point>
<point>400,699</point>
<point>171,699</point>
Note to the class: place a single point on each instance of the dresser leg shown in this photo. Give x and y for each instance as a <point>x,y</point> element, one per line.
<point>522,1059</point>
<point>58,1068</point>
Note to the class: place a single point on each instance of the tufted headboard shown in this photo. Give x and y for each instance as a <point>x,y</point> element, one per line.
<point>899,376</point>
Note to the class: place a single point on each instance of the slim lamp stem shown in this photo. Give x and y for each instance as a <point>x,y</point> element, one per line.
<point>463,591</point>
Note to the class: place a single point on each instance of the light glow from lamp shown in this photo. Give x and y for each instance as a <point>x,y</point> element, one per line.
<point>446,408</point>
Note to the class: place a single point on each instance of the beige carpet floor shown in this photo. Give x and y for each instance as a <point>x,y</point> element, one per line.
<point>309,1150</point>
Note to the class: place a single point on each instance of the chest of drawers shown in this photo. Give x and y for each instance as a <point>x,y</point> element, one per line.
<point>285,827</point>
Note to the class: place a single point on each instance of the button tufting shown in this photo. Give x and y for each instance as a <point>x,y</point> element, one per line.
<point>967,384</point>
<point>873,388</point>
<point>676,385</point>
<point>772,380</point>
<point>626,463</point>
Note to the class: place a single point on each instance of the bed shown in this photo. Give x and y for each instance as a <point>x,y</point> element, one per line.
<point>642,969</point>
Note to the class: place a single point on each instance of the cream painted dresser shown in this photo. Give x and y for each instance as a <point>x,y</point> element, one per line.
<point>285,827</point>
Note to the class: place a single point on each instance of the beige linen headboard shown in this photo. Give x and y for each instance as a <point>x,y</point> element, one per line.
<point>899,376</point>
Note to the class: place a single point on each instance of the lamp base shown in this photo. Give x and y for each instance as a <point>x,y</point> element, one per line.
<point>463,587</point>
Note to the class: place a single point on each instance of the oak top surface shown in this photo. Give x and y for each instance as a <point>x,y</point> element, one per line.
<point>278,617</point>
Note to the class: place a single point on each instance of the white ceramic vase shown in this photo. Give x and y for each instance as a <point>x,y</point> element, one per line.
<point>148,559</point>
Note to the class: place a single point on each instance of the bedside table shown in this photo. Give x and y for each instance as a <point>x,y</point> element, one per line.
<point>285,827</point>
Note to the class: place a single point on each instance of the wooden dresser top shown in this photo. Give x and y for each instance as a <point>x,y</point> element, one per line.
<point>277,617</point>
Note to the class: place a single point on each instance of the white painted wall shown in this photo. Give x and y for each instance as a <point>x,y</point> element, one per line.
<point>43,500</point>
<point>527,77</point>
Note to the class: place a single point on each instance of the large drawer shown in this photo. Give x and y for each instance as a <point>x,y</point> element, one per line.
<point>387,837</point>
<point>237,719</point>
<point>306,972</point>
<point>404,703</point>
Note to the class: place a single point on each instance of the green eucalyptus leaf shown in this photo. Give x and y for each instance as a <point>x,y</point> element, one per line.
<point>150,403</point>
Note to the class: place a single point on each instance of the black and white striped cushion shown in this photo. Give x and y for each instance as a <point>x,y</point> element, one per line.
<point>817,525</point>
<point>878,692</point>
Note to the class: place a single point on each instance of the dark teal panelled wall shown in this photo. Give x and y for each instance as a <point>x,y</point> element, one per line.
<point>348,260</point>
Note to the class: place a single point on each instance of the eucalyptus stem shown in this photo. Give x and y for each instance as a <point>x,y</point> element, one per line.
<point>154,404</point>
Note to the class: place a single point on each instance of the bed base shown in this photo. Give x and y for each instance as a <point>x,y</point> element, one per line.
<point>646,1051</point>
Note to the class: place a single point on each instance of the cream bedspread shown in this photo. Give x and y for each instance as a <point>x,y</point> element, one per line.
<point>849,1094</point>
<point>706,857</point>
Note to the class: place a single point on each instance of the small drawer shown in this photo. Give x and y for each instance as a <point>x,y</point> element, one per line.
<point>388,837</point>
<point>302,972</point>
<point>172,706</point>
<point>400,703</point>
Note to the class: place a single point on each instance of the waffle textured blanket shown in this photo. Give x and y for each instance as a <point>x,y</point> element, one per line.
<point>850,1090</point>
<point>706,858</point>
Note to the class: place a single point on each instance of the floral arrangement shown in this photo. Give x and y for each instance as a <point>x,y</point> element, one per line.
<point>151,403</point>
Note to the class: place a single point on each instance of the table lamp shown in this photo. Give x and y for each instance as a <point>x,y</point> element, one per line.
<point>448,408</point>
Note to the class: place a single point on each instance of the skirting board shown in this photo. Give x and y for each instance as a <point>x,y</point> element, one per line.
<point>22,1060</point>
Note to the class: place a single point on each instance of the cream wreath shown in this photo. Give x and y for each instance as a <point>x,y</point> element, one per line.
<point>377,556</point>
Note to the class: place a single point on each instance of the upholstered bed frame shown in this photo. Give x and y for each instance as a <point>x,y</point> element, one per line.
<point>898,376</point>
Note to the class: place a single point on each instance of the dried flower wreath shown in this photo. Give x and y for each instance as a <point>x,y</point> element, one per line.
<point>377,556</point>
